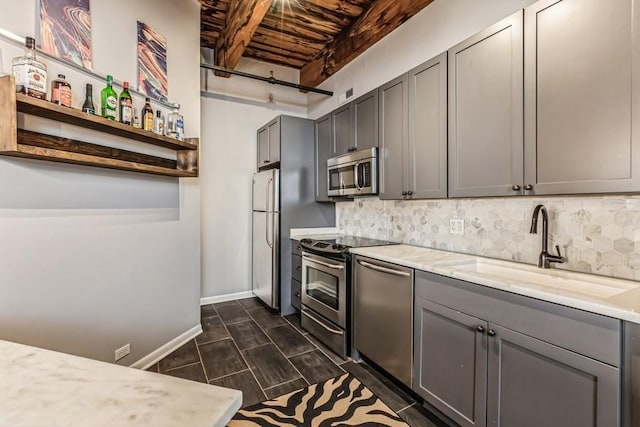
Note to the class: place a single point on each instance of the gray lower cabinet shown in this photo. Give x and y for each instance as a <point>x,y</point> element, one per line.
<point>324,151</point>
<point>450,361</point>
<point>486,112</point>
<point>533,383</point>
<point>581,96</point>
<point>296,275</point>
<point>489,357</point>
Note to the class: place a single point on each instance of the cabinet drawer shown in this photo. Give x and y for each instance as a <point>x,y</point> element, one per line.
<point>296,289</point>
<point>296,267</point>
<point>296,249</point>
<point>591,335</point>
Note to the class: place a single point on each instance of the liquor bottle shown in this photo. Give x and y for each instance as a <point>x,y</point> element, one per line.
<point>147,115</point>
<point>158,124</point>
<point>126,105</point>
<point>109,100</point>
<point>30,74</point>
<point>175,124</point>
<point>61,91</point>
<point>136,118</point>
<point>88,106</point>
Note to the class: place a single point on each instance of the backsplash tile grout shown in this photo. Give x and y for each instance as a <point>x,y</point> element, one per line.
<point>599,235</point>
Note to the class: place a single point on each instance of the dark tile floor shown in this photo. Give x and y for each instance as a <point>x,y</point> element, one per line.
<point>246,346</point>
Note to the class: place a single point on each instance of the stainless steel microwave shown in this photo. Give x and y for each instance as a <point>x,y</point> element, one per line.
<point>353,174</point>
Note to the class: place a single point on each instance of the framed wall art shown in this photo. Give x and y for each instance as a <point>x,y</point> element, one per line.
<point>65,30</point>
<point>152,63</point>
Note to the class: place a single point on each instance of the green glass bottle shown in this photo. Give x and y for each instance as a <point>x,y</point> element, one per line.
<point>125,104</point>
<point>109,99</point>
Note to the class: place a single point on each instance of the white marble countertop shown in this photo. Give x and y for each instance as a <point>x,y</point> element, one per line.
<point>597,294</point>
<point>314,233</point>
<point>46,388</point>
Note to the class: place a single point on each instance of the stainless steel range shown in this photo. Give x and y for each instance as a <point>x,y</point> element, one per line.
<point>326,288</point>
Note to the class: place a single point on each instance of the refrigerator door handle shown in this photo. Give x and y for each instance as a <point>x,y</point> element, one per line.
<point>266,229</point>
<point>269,182</point>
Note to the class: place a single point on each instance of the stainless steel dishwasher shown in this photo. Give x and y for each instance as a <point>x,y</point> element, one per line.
<point>383,315</point>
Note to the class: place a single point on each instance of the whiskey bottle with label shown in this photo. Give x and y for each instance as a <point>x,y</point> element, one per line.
<point>61,91</point>
<point>126,105</point>
<point>147,115</point>
<point>30,74</point>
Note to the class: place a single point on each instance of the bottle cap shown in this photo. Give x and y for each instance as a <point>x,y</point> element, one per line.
<point>109,78</point>
<point>30,42</point>
<point>176,106</point>
<point>158,114</point>
<point>125,85</point>
<point>89,87</point>
<point>147,99</point>
<point>62,76</point>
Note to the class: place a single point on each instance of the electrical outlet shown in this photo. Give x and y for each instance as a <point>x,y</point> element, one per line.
<point>456,226</point>
<point>123,351</point>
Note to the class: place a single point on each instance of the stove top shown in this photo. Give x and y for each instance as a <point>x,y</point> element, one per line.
<point>341,244</point>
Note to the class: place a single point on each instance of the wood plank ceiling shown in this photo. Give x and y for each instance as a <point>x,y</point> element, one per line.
<point>319,37</point>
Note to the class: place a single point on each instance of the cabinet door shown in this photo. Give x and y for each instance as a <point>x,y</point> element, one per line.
<point>581,94</point>
<point>263,146</point>
<point>274,141</point>
<point>393,137</point>
<point>324,151</point>
<point>427,157</point>
<point>450,362</point>
<point>533,383</point>
<point>342,129</point>
<point>485,112</point>
<point>365,121</point>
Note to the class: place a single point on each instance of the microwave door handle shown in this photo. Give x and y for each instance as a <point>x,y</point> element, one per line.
<point>356,172</point>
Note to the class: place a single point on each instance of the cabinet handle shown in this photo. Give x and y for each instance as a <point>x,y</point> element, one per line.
<point>491,333</point>
<point>515,187</point>
<point>409,193</point>
<point>297,294</point>
<point>528,187</point>
<point>298,268</point>
<point>299,248</point>
<point>480,328</point>
<point>266,161</point>
<point>404,193</point>
<point>352,149</point>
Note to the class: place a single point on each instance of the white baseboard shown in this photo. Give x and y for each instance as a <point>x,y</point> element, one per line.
<point>168,348</point>
<point>225,298</point>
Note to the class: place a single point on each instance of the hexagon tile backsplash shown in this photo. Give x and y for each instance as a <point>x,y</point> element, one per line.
<point>597,235</point>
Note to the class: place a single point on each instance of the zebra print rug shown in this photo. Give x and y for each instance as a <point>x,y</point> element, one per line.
<point>340,401</point>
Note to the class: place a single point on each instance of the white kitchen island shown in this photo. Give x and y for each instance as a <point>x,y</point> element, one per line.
<point>46,388</point>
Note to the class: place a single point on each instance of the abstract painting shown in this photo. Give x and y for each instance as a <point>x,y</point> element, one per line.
<point>152,63</point>
<point>65,30</point>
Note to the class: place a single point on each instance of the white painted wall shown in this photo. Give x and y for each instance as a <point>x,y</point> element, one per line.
<point>92,259</point>
<point>228,162</point>
<point>439,26</point>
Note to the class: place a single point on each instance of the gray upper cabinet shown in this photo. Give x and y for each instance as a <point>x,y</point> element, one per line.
<point>485,112</point>
<point>342,119</point>
<point>450,361</point>
<point>365,121</point>
<point>263,146</point>
<point>582,113</point>
<point>427,149</point>
<point>562,387</point>
<point>394,138</point>
<point>324,151</point>
<point>269,143</point>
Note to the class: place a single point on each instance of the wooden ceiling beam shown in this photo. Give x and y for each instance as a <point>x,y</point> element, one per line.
<point>351,8</point>
<point>243,18</point>
<point>380,19</point>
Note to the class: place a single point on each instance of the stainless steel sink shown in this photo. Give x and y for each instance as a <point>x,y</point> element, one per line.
<point>584,284</point>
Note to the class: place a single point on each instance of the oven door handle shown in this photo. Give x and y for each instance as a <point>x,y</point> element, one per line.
<point>383,269</point>
<point>326,264</point>
<point>333,331</point>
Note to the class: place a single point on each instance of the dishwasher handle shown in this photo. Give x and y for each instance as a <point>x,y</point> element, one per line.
<point>383,269</point>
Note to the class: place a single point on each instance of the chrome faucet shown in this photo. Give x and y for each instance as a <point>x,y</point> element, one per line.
<point>545,259</point>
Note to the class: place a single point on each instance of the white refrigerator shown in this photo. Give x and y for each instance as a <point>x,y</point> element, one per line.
<point>266,239</point>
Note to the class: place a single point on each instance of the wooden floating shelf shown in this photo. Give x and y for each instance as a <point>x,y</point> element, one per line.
<point>23,143</point>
